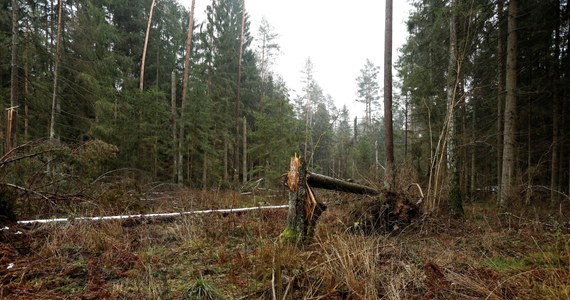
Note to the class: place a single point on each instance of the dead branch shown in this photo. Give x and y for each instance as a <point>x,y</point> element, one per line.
<point>17,187</point>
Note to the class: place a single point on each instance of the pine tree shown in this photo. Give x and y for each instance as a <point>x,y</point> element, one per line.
<point>267,50</point>
<point>368,91</point>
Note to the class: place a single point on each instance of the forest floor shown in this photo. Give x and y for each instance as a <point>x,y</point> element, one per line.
<point>524,254</point>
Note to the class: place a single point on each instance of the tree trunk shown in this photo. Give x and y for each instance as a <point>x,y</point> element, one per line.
<point>226,154</point>
<point>181,137</point>
<point>304,209</point>
<point>12,111</point>
<point>508,164</point>
<point>500,90</point>
<point>238,95</point>
<point>244,139</point>
<point>556,108</point>
<point>149,22</point>
<point>55,99</point>
<point>406,107</point>
<point>27,83</point>
<point>454,188</point>
<point>325,182</point>
<point>205,172</point>
<point>174,126</point>
<point>473,139</point>
<point>389,134</point>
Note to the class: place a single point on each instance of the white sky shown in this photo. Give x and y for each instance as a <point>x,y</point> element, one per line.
<point>338,36</point>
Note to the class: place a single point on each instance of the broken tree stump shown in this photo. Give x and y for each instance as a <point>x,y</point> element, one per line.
<point>304,207</point>
<point>388,213</point>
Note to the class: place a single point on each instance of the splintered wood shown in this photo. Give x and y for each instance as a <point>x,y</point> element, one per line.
<point>293,175</point>
<point>310,203</point>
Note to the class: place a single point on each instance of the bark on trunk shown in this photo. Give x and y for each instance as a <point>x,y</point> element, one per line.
<point>12,111</point>
<point>329,183</point>
<point>244,146</point>
<point>557,107</point>
<point>149,22</point>
<point>508,164</point>
<point>54,102</point>
<point>453,183</point>
<point>500,91</point>
<point>238,95</point>
<point>181,136</point>
<point>174,126</point>
<point>389,135</point>
<point>304,208</point>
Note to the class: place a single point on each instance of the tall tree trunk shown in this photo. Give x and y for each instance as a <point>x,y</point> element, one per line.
<point>530,170</point>
<point>563,146</point>
<point>12,112</point>
<point>508,169</point>
<point>556,108</point>
<point>461,95</point>
<point>238,95</point>
<point>226,159</point>
<point>205,172</point>
<point>244,139</point>
<point>181,137</point>
<point>27,81</point>
<point>500,90</point>
<point>149,22</point>
<point>473,139</point>
<point>174,126</point>
<point>55,99</point>
<point>454,186</point>
<point>389,134</point>
<point>406,122</point>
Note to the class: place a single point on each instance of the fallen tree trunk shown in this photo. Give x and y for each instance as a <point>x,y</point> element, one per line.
<point>151,216</point>
<point>325,182</point>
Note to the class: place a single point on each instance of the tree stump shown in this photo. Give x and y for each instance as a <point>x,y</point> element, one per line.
<point>304,207</point>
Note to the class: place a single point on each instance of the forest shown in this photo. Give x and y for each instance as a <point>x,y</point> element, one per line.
<point>122,107</point>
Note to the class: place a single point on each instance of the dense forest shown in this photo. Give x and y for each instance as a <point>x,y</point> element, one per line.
<point>129,109</point>
<point>481,96</point>
<point>78,75</point>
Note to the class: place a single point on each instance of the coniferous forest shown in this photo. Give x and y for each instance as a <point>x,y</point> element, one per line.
<point>121,107</point>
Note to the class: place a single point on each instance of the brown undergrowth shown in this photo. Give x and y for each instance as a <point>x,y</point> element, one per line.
<point>522,254</point>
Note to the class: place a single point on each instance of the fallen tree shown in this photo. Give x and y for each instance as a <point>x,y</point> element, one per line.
<point>388,212</point>
<point>151,216</point>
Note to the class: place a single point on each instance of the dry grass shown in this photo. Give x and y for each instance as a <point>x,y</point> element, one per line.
<point>523,255</point>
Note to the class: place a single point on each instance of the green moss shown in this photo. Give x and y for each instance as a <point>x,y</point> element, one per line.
<point>289,235</point>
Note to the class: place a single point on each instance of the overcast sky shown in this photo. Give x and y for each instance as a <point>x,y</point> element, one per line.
<point>338,36</point>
